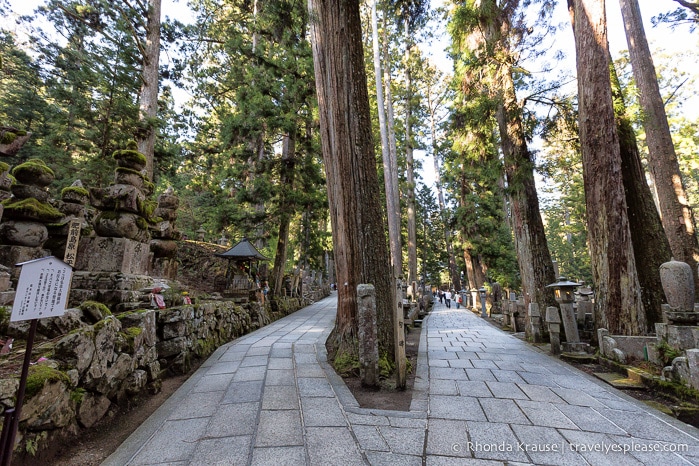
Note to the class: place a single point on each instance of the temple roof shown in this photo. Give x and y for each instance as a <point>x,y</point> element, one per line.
<point>244,250</point>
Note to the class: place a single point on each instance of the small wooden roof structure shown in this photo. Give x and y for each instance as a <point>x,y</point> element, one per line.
<point>243,251</point>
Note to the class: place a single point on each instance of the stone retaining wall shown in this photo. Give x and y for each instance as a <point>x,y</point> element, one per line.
<point>78,378</point>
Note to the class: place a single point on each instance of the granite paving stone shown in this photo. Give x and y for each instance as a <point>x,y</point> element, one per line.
<point>370,438</point>
<point>379,458</point>
<point>447,373</point>
<point>213,383</point>
<point>231,451</point>
<point>503,410</point>
<point>226,421</point>
<point>242,392</point>
<point>314,387</point>
<point>322,412</point>
<point>197,406</point>
<point>545,445</point>
<point>178,445</point>
<point>280,363</point>
<point>476,388</point>
<point>279,456</point>
<point>447,438</point>
<point>280,377</point>
<point>404,440</point>
<point>545,414</point>
<point>540,393</point>
<point>456,407</point>
<point>506,390</point>
<point>490,440</point>
<point>279,429</point>
<point>223,367</point>
<point>480,374</point>
<point>332,446</point>
<point>507,376</point>
<point>280,397</point>
<point>589,420</point>
<point>247,374</point>
<point>597,449</point>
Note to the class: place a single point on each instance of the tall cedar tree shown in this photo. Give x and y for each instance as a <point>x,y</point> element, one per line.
<point>534,258</point>
<point>618,304</point>
<point>677,216</point>
<point>359,232</point>
<point>650,245</point>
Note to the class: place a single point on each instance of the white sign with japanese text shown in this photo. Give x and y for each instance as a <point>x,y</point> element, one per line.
<point>42,290</point>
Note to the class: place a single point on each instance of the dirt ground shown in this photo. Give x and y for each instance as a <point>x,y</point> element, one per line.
<point>387,397</point>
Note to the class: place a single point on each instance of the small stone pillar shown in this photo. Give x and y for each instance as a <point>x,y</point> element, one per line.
<point>535,322</point>
<point>553,320</point>
<point>368,340</point>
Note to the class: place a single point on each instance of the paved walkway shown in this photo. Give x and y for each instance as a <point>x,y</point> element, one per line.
<point>481,397</point>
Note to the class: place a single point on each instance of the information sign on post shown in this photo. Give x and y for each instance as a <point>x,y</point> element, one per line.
<point>42,290</point>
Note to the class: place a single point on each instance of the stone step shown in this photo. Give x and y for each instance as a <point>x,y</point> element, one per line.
<point>618,380</point>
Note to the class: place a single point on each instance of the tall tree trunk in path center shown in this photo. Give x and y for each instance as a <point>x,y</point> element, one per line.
<point>359,231</point>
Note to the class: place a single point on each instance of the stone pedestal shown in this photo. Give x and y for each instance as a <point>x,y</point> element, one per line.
<point>553,320</point>
<point>570,324</point>
<point>101,254</point>
<point>535,322</point>
<point>11,255</point>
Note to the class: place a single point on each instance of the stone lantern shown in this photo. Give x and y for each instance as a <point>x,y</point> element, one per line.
<point>483,294</point>
<point>201,234</point>
<point>564,291</point>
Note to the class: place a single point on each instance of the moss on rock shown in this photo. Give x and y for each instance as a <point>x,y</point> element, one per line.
<point>34,171</point>
<point>31,209</point>
<point>41,374</point>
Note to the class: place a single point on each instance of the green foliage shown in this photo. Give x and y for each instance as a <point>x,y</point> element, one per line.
<point>77,395</point>
<point>346,364</point>
<point>386,366</point>
<point>667,353</point>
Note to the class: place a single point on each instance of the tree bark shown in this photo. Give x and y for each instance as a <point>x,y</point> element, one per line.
<point>389,170</point>
<point>677,216</point>
<point>287,180</point>
<point>410,175</point>
<point>650,245</point>
<point>618,304</point>
<point>150,78</point>
<point>533,256</point>
<point>359,233</point>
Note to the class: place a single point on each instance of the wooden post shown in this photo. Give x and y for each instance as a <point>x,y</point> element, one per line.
<point>399,331</point>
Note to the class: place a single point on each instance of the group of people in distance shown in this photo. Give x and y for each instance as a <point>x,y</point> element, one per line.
<point>447,296</point>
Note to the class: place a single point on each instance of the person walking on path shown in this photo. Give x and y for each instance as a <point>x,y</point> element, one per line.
<point>447,298</point>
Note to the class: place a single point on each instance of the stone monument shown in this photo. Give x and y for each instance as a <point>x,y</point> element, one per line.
<point>112,267</point>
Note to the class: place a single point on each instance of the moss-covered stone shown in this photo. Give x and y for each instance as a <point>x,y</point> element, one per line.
<point>76,190</point>
<point>4,167</point>
<point>34,171</point>
<point>41,374</point>
<point>7,137</point>
<point>131,157</point>
<point>31,209</point>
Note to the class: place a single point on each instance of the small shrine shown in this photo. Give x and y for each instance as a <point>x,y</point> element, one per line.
<point>242,279</point>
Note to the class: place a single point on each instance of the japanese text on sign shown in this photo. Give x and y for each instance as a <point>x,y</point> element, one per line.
<point>42,290</point>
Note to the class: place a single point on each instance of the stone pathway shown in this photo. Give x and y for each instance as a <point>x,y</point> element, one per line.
<point>481,397</point>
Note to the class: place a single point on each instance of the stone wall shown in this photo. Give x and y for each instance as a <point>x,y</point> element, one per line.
<point>89,361</point>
